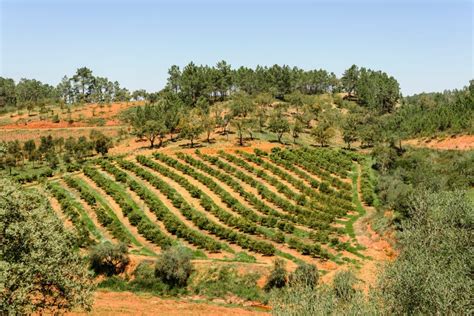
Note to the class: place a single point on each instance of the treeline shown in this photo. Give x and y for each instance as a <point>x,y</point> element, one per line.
<point>51,152</point>
<point>430,113</point>
<point>82,87</point>
<point>374,89</point>
<point>212,83</point>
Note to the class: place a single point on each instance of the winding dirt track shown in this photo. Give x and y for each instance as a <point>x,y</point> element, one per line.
<point>378,248</point>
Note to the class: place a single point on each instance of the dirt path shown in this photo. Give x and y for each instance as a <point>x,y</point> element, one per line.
<point>118,212</point>
<point>378,248</point>
<point>126,303</point>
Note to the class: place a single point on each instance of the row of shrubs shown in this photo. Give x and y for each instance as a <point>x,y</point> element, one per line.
<point>307,161</point>
<point>304,248</point>
<point>72,210</point>
<point>144,225</point>
<point>206,202</point>
<point>225,196</point>
<point>327,203</point>
<point>298,214</point>
<point>333,161</point>
<point>103,212</point>
<point>303,203</point>
<point>172,223</point>
<point>31,177</point>
<point>328,194</point>
<point>343,189</point>
<point>269,221</point>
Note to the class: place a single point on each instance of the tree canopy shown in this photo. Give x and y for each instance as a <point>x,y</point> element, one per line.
<point>40,269</point>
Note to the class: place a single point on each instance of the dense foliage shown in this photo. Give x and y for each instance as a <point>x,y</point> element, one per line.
<point>109,259</point>
<point>433,273</point>
<point>174,267</point>
<point>40,270</point>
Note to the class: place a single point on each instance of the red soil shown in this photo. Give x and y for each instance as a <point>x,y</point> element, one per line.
<point>79,115</point>
<point>456,142</point>
<point>126,303</point>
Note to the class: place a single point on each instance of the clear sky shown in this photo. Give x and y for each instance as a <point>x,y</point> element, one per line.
<point>426,45</point>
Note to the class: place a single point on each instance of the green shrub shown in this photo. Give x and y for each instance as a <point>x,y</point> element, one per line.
<point>109,259</point>
<point>343,284</point>
<point>244,257</point>
<point>278,276</point>
<point>145,281</point>
<point>304,275</point>
<point>174,267</point>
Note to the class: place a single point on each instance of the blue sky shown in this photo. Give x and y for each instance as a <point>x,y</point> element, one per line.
<point>426,45</point>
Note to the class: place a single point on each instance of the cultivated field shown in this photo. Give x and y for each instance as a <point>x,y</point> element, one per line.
<point>297,204</point>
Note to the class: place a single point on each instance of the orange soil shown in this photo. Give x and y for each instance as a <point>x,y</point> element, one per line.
<point>455,142</point>
<point>126,303</point>
<point>87,111</point>
<point>219,142</point>
<point>57,209</point>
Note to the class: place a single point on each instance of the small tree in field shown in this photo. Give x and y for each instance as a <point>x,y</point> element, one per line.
<point>323,133</point>
<point>153,130</point>
<point>304,275</point>
<point>109,259</point>
<point>190,126</point>
<point>208,125</point>
<point>279,125</point>
<point>278,276</point>
<point>102,143</point>
<point>174,267</point>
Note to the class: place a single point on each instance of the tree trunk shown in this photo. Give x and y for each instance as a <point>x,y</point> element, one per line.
<point>152,141</point>
<point>241,142</point>
<point>192,143</point>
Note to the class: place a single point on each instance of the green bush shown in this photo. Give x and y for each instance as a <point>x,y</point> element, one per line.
<point>55,119</point>
<point>304,275</point>
<point>144,280</point>
<point>278,276</point>
<point>343,285</point>
<point>174,267</point>
<point>109,259</point>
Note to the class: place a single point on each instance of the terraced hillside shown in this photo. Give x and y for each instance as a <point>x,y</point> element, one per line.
<point>298,204</point>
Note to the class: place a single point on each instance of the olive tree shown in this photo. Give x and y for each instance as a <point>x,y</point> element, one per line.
<point>174,266</point>
<point>433,272</point>
<point>40,269</point>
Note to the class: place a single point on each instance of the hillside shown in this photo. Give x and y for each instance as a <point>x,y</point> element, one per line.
<point>256,195</point>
